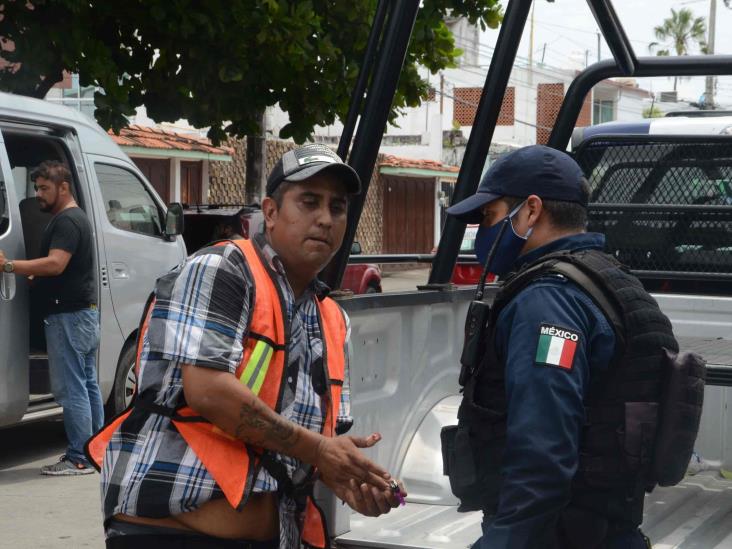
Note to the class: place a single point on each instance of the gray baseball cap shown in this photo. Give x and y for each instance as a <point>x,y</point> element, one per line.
<point>299,164</point>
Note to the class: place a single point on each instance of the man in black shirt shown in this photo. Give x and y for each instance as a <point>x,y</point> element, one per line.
<point>65,286</point>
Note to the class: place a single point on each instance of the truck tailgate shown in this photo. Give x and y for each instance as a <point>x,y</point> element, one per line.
<point>695,514</point>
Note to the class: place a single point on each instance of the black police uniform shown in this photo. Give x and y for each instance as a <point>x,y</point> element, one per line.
<point>551,339</point>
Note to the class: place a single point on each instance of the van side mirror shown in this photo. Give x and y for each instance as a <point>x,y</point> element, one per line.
<point>174,220</point>
<point>356,248</point>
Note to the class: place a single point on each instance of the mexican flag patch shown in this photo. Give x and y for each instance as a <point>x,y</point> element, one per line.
<point>557,346</point>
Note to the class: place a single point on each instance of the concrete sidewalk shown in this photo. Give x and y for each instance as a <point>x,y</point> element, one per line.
<point>39,512</point>
<point>404,281</point>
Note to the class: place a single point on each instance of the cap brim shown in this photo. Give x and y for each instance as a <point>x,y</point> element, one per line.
<point>468,210</point>
<point>343,171</point>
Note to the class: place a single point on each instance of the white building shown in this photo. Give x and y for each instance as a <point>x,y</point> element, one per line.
<point>532,101</point>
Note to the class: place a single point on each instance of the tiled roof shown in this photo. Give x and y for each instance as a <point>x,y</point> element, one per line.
<point>392,161</point>
<point>156,138</point>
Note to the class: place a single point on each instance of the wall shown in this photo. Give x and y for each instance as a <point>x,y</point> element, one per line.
<point>226,186</point>
<point>429,146</point>
<point>370,228</point>
<point>226,179</point>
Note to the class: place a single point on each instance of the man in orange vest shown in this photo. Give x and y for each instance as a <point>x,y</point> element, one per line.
<point>243,385</point>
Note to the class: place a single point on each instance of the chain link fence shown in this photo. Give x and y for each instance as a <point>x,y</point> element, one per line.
<point>664,203</point>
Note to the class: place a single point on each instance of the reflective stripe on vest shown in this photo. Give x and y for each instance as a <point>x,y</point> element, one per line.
<point>262,369</point>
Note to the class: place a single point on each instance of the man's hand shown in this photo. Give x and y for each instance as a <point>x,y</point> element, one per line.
<point>340,461</point>
<point>370,501</point>
<point>3,260</point>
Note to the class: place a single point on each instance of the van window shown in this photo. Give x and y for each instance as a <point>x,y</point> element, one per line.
<point>128,203</point>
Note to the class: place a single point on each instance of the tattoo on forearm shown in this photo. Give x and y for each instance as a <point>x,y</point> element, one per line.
<point>258,427</point>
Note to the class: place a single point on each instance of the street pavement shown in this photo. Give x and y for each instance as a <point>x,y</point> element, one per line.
<point>404,281</point>
<point>38,512</point>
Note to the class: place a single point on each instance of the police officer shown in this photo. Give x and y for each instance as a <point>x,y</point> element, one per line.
<point>549,346</point>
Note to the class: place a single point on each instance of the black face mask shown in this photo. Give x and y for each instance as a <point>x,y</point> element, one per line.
<point>509,246</point>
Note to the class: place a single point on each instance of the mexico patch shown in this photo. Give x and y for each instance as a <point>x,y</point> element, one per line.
<point>557,346</point>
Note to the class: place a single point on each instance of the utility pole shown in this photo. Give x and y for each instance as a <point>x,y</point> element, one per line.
<point>709,91</point>
<point>543,53</point>
<point>598,46</point>
<point>587,58</point>
<point>531,45</point>
<point>256,161</point>
<point>442,91</point>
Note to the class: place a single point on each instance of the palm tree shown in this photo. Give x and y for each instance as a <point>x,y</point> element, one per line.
<point>680,32</point>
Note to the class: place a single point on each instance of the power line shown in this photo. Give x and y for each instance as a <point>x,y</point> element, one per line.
<point>523,84</point>
<point>544,69</point>
<point>584,31</point>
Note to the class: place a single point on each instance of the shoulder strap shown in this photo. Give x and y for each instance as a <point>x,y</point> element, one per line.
<point>582,268</point>
<point>598,295</point>
<point>334,331</point>
<point>142,328</point>
<point>268,304</point>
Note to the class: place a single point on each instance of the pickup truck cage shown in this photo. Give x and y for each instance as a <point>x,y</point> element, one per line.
<point>386,51</point>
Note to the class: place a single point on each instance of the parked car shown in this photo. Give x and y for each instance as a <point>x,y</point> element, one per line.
<point>205,224</point>
<point>468,273</point>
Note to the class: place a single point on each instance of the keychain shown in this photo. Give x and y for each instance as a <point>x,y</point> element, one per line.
<point>396,491</point>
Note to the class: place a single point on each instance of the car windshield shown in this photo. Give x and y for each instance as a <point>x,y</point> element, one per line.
<point>468,244</point>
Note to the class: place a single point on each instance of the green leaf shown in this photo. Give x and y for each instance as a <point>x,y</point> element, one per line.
<point>223,61</point>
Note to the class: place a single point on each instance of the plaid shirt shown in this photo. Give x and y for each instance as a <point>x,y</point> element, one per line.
<point>200,318</point>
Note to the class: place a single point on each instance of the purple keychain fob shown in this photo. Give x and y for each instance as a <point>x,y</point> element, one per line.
<point>396,491</point>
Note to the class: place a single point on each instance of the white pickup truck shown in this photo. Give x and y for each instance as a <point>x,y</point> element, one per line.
<point>665,204</point>
<point>661,194</point>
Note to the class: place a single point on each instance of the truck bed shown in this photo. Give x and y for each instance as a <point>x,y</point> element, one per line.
<point>695,514</point>
<point>406,351</point>
<point>715,350</point>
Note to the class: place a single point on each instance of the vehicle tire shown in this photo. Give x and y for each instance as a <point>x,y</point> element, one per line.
<point>125,381</point>
<point>373,288</point>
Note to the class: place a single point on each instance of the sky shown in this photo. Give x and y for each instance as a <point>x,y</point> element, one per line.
<point>568,29</point>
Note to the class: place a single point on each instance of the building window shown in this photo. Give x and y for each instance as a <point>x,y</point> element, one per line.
<point>603,111</point>
<point>71,93</point>
<point>128,203</point>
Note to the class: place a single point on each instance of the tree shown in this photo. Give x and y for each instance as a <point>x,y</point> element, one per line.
<point>679,32</point>
<point>652,112</point>
<point>219,63</point>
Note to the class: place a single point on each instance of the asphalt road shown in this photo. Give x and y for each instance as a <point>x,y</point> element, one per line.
<point>404,281</point>
<point>38,512</point>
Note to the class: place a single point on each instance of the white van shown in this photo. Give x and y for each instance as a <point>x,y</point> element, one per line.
<point>137,240</point>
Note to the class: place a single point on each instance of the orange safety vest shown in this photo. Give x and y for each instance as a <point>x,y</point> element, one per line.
<point>262,369</point>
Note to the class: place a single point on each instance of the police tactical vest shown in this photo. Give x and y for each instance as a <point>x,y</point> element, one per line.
<point>634,436</point>
<point>233,464</point>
